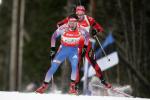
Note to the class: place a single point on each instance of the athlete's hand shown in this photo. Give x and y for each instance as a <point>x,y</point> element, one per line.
<point>94,32</point>
<point>52,52</point>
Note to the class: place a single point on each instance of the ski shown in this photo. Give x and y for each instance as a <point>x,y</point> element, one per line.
<point>113,90</point>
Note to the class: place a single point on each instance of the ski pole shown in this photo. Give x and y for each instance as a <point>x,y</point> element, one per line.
<point>102,47</point>
<point>79,2</point>
<point>52,83</point>
<point>52,80</point>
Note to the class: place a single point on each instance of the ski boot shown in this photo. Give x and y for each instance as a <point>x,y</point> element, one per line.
<point>73,88</point>
<point>42,88</point>
<point>107,85</point>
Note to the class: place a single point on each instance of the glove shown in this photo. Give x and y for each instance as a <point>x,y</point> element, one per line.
<point>52,52</point>
<point>94,32</point>
<point>84,51</point>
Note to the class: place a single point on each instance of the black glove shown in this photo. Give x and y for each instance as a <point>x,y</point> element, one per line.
<point>52,52</point>
<point>94,32</point>
<point>84,51</point>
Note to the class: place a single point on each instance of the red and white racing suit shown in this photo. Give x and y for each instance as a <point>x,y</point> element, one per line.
<point>70,42</point>
<point>87,23</point>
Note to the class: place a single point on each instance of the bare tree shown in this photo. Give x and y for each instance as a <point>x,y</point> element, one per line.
<point>13,56</point>
<point>16,53</point>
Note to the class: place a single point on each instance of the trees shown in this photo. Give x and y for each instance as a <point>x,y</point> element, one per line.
<point>128,19</point>
<point>128,22</point>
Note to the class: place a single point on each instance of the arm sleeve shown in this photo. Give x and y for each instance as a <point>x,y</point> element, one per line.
<point>86,36</point>
<point>64,21</point>
<point>95,25</point>
<point>55,35</point>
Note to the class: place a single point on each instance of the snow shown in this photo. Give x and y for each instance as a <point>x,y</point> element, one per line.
<point>33,96</point>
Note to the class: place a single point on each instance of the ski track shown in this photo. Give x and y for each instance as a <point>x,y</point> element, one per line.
<point>34,96</point>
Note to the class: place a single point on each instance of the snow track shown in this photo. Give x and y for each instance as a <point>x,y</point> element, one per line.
<point>34,96</point>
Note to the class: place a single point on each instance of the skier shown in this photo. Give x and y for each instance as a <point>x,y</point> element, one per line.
<point>88,22</point>
<point>71,35</point>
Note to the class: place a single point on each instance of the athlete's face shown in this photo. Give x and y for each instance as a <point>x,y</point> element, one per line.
<point>80,15</point>
<point>72,23</point>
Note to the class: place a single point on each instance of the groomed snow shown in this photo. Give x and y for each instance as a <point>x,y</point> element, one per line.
<point>34,96</point>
